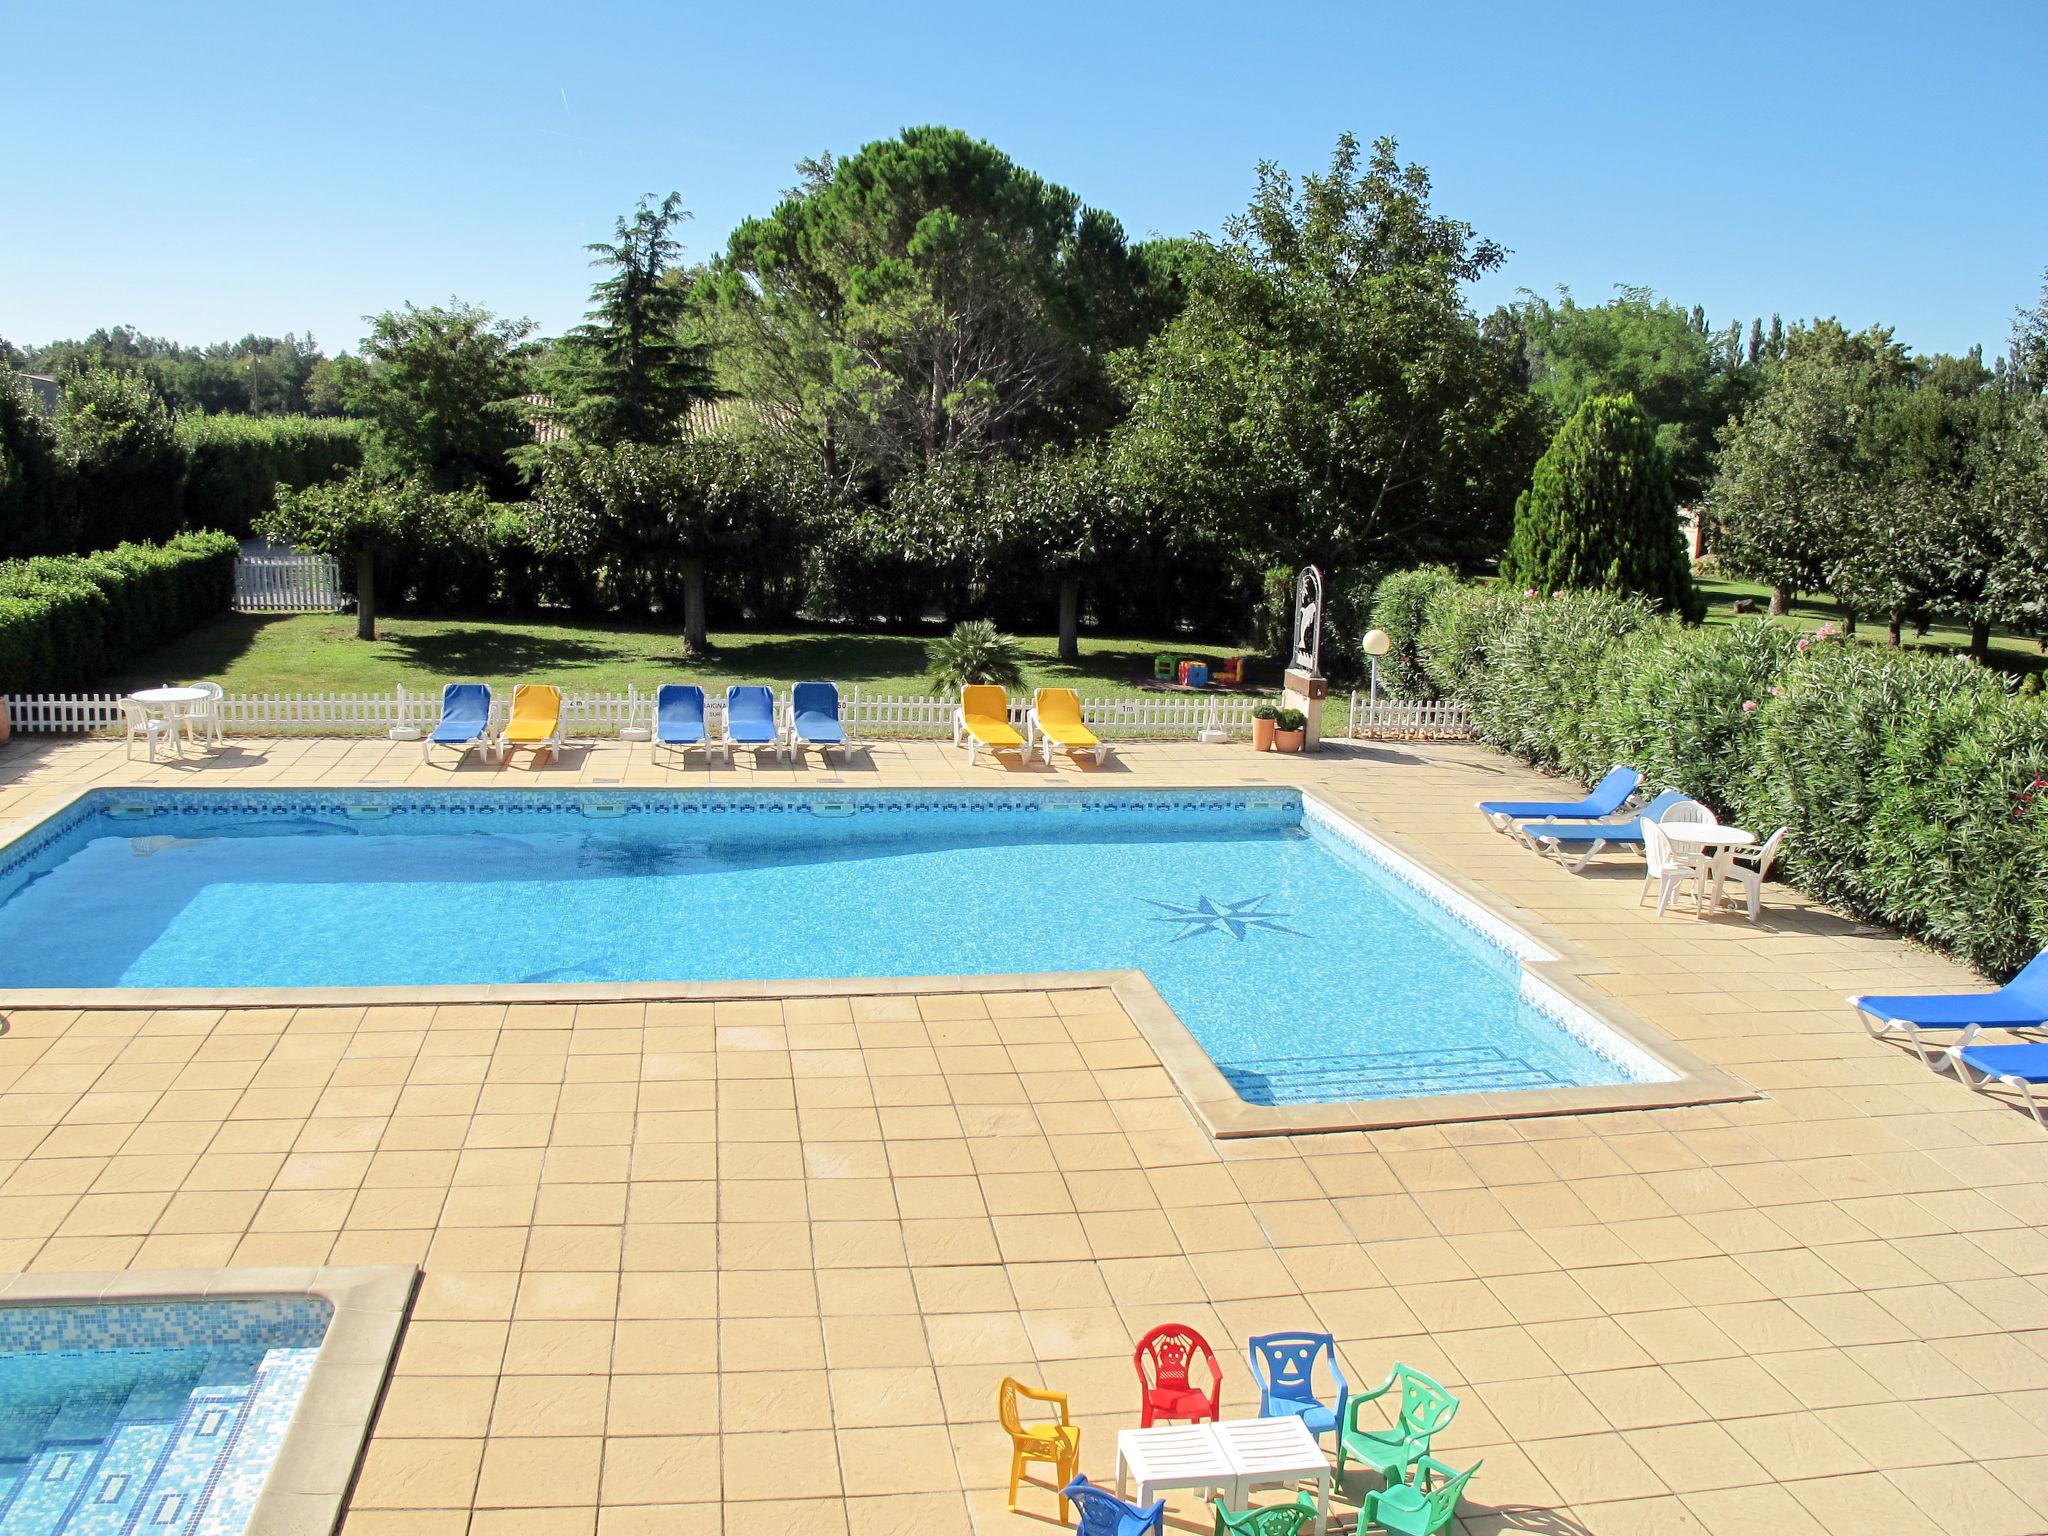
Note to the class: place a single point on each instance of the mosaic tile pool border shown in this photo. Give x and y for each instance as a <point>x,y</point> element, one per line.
<point>322,1444</point>
<point>32,841</point>
<point>283,1322</point>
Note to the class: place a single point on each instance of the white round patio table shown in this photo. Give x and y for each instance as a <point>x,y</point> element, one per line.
<point>164,697</point>
<point>170,703</point>
<point>1706,834</point>
<point>1709,838</point>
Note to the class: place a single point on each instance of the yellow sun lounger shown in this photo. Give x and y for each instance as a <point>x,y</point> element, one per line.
<point>984,719</point>
<point>536,719</point>
<point>1056,720</point>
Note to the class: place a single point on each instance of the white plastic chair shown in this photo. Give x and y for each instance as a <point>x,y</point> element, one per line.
<point>1749,869</point>
<point>203,717</point>
<point>144,722</point>
<point>1671,869</point>
<point>1687,813</point>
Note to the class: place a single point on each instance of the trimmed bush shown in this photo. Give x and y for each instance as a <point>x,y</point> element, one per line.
<point>1915,786</point>
<point>65,619</point>
<point>236,463</point>
<point>1400,606</point>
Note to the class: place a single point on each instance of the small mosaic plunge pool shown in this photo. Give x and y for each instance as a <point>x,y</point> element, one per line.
<point>150,1416</point>
<point>1309,961</point>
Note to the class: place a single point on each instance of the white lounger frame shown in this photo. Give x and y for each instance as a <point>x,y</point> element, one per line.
<point>1037,738</point>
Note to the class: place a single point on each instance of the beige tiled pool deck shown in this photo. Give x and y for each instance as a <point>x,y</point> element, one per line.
<point>757,1265</point>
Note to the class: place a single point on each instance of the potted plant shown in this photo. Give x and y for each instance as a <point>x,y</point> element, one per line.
<point>1263,716</point>
<point>1290,728</point>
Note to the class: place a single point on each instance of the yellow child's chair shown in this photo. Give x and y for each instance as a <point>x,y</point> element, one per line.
<point>1058,1443</point>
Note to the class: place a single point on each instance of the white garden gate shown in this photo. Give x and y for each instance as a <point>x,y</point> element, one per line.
<point>288,584</point>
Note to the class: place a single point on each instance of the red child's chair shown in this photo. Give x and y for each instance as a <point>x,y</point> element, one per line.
<point>1228,674</point>
<point>1163,1358</point>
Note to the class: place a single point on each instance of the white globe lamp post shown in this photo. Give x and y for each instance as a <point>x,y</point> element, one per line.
<point>1376,644</point>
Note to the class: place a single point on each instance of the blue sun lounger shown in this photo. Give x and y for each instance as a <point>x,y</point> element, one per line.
<point>679,718</point>
<point>750,719</point>
<point>2021,1003</point>
<point>814,718</point>
<point>2023,1067</point>
<point>465,719</point>
<point>1608,796</point>
<point>1586,838</point>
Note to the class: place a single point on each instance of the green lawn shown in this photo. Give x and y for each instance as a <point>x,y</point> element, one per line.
<point>318,653</point>
<point>2009,652</point>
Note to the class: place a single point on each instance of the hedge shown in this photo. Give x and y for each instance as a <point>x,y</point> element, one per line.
<point>235,463</point>
<point>66,619</point>
<point>1915,786</point>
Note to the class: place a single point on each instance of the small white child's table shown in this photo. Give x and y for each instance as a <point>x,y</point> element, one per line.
<point>1263,1451</point>
<point>1236,1456</point>
<point>1172,1456</point>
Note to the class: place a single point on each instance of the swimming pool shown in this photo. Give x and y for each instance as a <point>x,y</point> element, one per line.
<point>1309,962</point>
<point>159,1416</point>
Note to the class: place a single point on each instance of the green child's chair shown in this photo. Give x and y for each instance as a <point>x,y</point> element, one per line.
<point>1272,1520</point>
<point>1409,1510</point>
<point>1164,667</point>
<point>1422,1409</point>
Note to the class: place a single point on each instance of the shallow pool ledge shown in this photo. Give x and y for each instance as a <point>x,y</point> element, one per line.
<point>308,1484</point>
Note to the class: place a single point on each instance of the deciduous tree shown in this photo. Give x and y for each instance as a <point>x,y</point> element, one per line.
<point>1326,393</point>
<point>444,387</point>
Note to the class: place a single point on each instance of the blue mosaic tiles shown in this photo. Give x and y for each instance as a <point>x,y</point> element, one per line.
<point>155,1418</point>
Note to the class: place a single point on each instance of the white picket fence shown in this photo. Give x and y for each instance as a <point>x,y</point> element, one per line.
<point>1414,719</point>
<point>288,584</point>
<point>868,716</point>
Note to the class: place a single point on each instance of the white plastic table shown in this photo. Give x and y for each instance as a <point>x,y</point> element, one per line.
<point>1711,839</point>
<point>1280,1450</point>
<point>1696,835</point>
<point>1172,1456</point>
<point>170,702</point>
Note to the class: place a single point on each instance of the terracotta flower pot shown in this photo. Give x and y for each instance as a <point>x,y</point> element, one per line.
<point>1289,741</point>
<point>6,726</point>
<point>1262,735</point>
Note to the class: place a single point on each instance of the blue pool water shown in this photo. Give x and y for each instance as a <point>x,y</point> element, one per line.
<point>1307,965</point>
<point>158,1417</point>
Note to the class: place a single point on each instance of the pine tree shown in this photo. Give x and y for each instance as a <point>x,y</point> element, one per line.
<point>1599,512</point>
<point>626,375</point>
<point>1775,348</point>
<point>1756,343</point>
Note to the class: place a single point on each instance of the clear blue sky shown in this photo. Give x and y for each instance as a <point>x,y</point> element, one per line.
<point>203,170</point>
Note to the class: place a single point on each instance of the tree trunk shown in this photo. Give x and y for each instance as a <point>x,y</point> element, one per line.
<point>1892,633</point>
<point>695,640</point>
<point>1781,602</point>
<point>1070,619</point>
<point>366,595</point>
<point>1848,621</point>
<point>1980,639</point>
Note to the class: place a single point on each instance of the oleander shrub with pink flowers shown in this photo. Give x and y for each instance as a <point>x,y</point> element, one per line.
<point>1915,786</point>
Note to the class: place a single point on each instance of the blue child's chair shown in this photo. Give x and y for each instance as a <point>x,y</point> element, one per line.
<point>1104,1514</point>
<point>1284,1366</point>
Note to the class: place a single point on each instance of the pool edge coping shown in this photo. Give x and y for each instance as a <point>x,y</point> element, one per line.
<point>307,1486</point>
<point>1198,1080</point>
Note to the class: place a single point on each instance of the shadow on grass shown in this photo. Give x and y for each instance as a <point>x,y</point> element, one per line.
<point>832,657</point>
<point>488,650</point>
<point>207,651</point>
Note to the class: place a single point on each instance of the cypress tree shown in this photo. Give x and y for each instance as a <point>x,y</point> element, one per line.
<point>1600,513</point>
